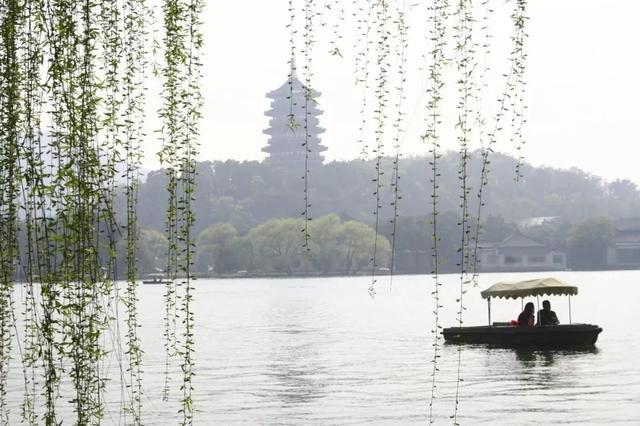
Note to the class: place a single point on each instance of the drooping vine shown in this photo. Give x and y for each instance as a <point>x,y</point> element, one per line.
<point>380,114</point>
<point>465,65</point>
<point>133,78</point>
<point>518,58</point>
<point>291,117</point>
<point>362,62</point>
<point>395,179</point>
<point>437,35</point>
<point>31,166</point>
<point>76,288</point>
<point>181,114</point>
<point>109,154</point>
<point>513,80</point>
<point>171,133</point>
<point>10,15</point>
<point>309,41</point>
<point>77,68</point>
<point>335,10</point>
<point>481,126</point>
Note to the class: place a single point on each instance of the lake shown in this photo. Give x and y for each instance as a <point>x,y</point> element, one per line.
<point>322,351</point>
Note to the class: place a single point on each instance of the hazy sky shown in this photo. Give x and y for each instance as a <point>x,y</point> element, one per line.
<point>582,82</point>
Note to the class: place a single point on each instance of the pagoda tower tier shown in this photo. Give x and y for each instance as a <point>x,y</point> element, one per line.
<point>291,108</point>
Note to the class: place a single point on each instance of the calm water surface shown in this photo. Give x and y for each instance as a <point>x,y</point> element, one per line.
<point>321,351</point>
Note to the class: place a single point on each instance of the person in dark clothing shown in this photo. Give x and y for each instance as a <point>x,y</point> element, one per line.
<point>546,316</point>
<point>526,317</point>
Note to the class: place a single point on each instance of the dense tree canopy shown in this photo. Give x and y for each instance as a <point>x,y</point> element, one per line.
<point>245,194</point>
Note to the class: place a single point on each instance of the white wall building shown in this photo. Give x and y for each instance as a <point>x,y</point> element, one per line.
<point>520,253</point>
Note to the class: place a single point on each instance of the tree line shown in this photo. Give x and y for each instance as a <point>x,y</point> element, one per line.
<point>246,194</point>
<point>246,215</point>
<point>248,218</point>
<point>274,247</point>
<point>345,247</point>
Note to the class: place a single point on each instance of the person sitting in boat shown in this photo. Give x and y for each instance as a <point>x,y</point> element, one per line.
<point>546,316</point>
<point>526,318</point>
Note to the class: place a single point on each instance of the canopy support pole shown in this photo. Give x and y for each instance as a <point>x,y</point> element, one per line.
<point>569,309</point>
<point>489,308</point>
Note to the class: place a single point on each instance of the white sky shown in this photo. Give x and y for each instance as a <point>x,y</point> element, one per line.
<point>582,82</point>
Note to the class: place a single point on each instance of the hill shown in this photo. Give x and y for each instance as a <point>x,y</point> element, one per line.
<point>246,194</point>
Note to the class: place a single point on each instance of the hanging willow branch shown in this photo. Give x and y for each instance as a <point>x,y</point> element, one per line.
<point>74,294</point>
<point>362,62</point>
<point>465,64</point>
<point>518,57</point>
<point>513,89</point>
<point>79,67</point>
<point>172,132</point>
<point>336,11</point>
<point>308,38</point>
<point>31,167</point>
<point>481,126</point>
<point>10,16</point>
<point>291,117</point>
<point>134,75</point>
<point>395,180</point>
<point>383,50</point>
<point>437,31</point>
<point>181,115</point>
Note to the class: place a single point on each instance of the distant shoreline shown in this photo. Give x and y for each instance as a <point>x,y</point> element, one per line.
<point>365,273</point>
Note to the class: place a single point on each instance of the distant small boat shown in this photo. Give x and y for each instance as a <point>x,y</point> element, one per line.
<point>156,279</point>
<point>504,334</point>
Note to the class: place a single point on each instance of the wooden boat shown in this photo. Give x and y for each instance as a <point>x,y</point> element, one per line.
<point>504,334</point>
<point>156,279</point>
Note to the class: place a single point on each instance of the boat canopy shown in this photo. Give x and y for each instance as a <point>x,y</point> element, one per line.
<point>537,287</point>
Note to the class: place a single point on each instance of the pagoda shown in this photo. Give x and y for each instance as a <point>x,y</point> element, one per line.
<point>287,125</point>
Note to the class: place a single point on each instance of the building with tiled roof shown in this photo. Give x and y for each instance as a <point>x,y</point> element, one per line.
<point>623,250</point>
<point>518,252</point>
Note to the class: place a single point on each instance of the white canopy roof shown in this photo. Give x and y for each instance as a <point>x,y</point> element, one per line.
<point>536,287</point>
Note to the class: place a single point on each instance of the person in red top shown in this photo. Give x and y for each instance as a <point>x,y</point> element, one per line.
<point>526,318</point>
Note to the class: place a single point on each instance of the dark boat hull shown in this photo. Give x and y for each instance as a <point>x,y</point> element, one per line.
<point>564,335</point>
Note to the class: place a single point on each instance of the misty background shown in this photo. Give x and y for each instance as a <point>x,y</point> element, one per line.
<point>582,90</point>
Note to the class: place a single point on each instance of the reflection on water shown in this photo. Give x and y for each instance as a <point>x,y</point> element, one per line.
<point>295,366</point>
<point>536,368</point>
<point>321,351</point>
<point>534,358</point>
<point>545,368</point>
<point>531,357</point>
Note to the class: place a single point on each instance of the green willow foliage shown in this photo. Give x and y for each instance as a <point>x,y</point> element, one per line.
<point>72,95</point>
<point>466,65</point>
<point>365,23</point>
<point>458,47</point>
<point>309,41</point>
<point>9,122</point>
<point>335,11</point>
<point>181,114</point>
<point>458,50</point>
<point>401,48</point>
<point>291,118</point>
<point>383,50</point>
<point>437,31</point>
